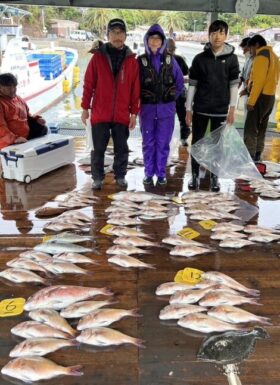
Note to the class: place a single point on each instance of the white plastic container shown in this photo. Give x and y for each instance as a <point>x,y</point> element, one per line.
<point>28,161</point>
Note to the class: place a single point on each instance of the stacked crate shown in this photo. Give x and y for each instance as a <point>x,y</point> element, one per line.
<point>50,64</point>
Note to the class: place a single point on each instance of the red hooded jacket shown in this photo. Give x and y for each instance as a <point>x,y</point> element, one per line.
<point>111,99</point>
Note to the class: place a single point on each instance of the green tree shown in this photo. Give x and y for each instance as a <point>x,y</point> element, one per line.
<point>97,19</point>
<point>172,21</point>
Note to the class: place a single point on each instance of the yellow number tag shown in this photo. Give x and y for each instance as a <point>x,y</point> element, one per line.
<point>207,225</point>
<point>179,277</point>
<point>47,238</point>
<point>188,233</point>
<point>106,229</point>
<point>111,196</point>
<point>177,200</point>
<point>191,275</point>
<point>11,307</point>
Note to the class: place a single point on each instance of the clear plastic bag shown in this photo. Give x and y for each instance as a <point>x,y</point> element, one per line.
<point>224,153</point>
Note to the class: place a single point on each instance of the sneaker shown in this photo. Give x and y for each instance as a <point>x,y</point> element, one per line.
<point>121,182</point>
<point>161,181</point>
<point>214,183</point>
<point>194,182</point>
<point>97,184</point>
<point>184,143</point>
<point>148,180</point>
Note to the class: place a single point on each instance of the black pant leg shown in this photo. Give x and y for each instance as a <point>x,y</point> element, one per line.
<point>36,130</point>
<point>120,134</point>
<point>199,127</point>
<point>100,137</point>
<point>181,113</point>
<point>266,103</point>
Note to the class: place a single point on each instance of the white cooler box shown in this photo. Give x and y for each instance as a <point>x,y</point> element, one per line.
<point>27,161</point>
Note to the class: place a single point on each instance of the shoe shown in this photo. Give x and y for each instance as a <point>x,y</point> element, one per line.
<point>161,181</point>
<point>121,182</point>
<point>148,180</point>
<point>214,183</point>
<point>97,184</point>
<point>194,182</point>
<point>184,143</point>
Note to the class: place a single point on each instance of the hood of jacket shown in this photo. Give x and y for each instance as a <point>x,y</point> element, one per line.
<point>155,29</point>
<point>228,49</point>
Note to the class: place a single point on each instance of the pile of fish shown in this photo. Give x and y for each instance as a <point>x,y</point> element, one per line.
<point>210,305</point>
<point>76,199</point>
<point>266,189</point>
<point>49,331</point>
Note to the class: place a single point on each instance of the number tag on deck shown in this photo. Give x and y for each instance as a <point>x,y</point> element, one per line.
<point>111,196</point>
<point>106,229</point>
<point>47,238</point>
<point>11,307</point>
<point>191,275</point>
<point>207,225</point>
<point>177,200</point>
<point>188,233</point>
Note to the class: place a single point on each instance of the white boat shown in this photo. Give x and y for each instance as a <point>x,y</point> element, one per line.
<point>38,85</point>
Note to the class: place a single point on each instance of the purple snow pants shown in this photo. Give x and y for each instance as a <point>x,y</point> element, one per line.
<point>156,134</point>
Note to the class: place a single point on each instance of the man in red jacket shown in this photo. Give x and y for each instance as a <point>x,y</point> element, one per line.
<point>111,91</point>
<point>17,125</point>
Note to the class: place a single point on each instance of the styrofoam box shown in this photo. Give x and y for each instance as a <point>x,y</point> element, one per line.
<point>28,161</point>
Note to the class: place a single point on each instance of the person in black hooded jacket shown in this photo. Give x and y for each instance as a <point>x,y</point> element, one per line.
<point>213,90</point>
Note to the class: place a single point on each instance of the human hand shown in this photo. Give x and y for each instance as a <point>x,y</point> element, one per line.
<point>189,118</point>
<point>20,139</point>
<point>250,107</point>
<point>41,121</point>
<point>230,116</point>
<point>243,92</point>
<point>85,116</point>
<point>132,122</point>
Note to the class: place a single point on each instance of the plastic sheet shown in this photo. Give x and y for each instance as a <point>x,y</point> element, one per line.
<point>224,153</point>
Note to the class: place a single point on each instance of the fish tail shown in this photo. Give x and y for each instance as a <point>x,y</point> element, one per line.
<point>135,313</point>
<point>107,291</point>
<point>138,342</point>
<point>254,302</point>
<point>150,266</point>
<point>265,320</point>
<point>74,342</point>
<point>253,292</point>
<point>74,370</point>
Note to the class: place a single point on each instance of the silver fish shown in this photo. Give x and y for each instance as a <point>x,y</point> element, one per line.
<point>134,241</point>
<point>67,237</point>
<point>235,315</point>
<point>124,221</point>
<point>224,279</point>
<point>39,346</point>
<point>119,209</point>
<point>265,238</point>
<point>52,318</point>
<point>128,261</point>
<point>27,264</point>
<point>125,250</point>
<point>60,267</point>
<point>124,231</point>
<point>179,311</point>
<point>223,235</point>
<point>30,369</point>
<point>138,196</point>
<point>73,258</point>
<point>80,309</point>
<point>36,256</point>
<point>125,204</point>
<point>219,298</point>
<point>234,243</point>
<point>61,296</point>
<point>106,337</point>
<point>189,251</point>
<point>105,317</point>
<point>205,324</point>
<point>56,248</point>
<point>256,229</point>
<point>21,276</point>
<point>176,240</point>
<point>226,226</point>
<point>34,329</point>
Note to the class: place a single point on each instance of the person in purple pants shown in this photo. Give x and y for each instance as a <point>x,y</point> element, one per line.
<point>162,82</point>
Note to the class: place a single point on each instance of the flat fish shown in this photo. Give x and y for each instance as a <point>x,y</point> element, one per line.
<point>128,261</point>
<point>61,296</point>
<point>105,317</point>
<point>60,267</point>
<point>52,318</point>
<point>125,250</point>
<point>236,315</point>
<point>56,248</point>
<point>82,308</point>
<point>189,251</point>
<point>107,337</point>
<point>30,369</point>
<point>179,311</point>
<point>219,298</point>
<point>134,241</point>
<point>45,212</point>
<point>34,329</point>
<point>176,240</point>
<point>125,231</point>
<point>73,258</point>
<point>235,243</point>
<point>21,276</point>
<point>39,346</point>
<point>205,324</point>
<point>224,279</point>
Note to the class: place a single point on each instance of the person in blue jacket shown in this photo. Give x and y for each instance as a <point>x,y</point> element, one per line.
<point>162,82</point>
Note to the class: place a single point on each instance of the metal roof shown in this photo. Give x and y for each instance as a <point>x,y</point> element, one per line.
<point>267,7</point>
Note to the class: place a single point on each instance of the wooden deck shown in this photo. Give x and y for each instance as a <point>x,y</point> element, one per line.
<point>170,354</point>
